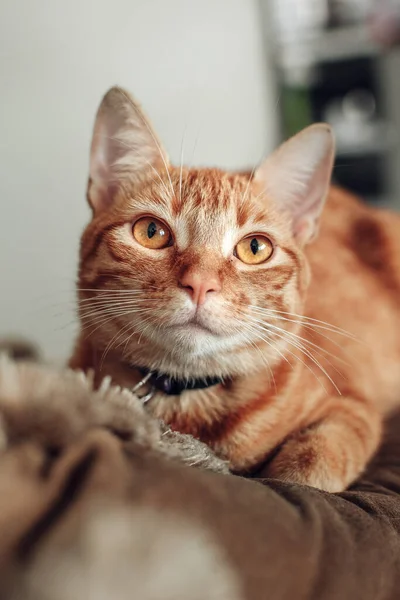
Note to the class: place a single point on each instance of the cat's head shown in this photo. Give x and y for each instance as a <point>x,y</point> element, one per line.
<point>193,272</point>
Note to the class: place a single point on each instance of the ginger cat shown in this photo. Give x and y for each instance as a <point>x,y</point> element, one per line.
<point>281,356</point>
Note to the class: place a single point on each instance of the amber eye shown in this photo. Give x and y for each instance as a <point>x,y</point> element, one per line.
<point>254,249</point>
<point>151,233</point>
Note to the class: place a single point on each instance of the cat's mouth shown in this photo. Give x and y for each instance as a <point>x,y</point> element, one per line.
<point>191,335</point>
<point>196,325</point>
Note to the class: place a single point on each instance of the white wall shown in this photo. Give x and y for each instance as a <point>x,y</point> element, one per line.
<point>194,64</point>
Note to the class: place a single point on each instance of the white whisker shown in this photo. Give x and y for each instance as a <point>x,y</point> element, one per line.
<point>302,318</point>
<point>103,321</point>
<point>181,167</point>
<point>295,356</point>
<point>298,344</point>
<point>116,337</point>
<point>306,341</point>
<point>254,345</point>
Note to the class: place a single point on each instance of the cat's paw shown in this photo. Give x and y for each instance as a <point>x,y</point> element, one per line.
<point>306,460</point>
<point>191,451</point>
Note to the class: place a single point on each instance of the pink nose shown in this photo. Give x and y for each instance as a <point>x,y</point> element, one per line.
<point>198,285</point>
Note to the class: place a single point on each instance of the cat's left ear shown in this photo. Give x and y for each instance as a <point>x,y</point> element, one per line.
<point>124,149</point>
<point>297,177</point>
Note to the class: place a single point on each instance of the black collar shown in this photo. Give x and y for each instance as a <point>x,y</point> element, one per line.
<point>173,387</point>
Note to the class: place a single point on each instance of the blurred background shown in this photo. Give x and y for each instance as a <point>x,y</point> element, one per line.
<point>224,80</point>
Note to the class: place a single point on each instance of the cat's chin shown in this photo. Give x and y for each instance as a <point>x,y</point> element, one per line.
<point>198,356</point>
<point>195,351</point>
<point>195,340</point>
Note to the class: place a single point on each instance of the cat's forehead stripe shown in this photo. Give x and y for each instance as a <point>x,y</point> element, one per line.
<point>209,189</point>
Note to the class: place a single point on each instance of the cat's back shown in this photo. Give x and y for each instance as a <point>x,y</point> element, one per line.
<point>355,285</point>
<point>358,240</point>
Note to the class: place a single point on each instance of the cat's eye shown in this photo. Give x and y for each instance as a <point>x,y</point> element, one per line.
<point>151,233</point>
<point>254,249</point>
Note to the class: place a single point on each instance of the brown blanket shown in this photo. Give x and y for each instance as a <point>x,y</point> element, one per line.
<point>95,503</point>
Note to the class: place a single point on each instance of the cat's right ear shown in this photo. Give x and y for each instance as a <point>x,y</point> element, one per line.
<point>297,177</point>
<point>124,149</point>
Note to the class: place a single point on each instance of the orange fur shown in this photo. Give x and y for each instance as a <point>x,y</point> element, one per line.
<point>308,397</point>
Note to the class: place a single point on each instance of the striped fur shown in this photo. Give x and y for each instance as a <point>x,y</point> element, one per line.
<point>306,400</point>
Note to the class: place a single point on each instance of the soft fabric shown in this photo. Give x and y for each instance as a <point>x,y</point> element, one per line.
<point>95,503</point>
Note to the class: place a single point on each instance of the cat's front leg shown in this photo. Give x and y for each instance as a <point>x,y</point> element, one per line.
<point>331,453</point>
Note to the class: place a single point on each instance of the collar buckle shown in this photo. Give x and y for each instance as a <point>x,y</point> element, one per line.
<point>149,395</point>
